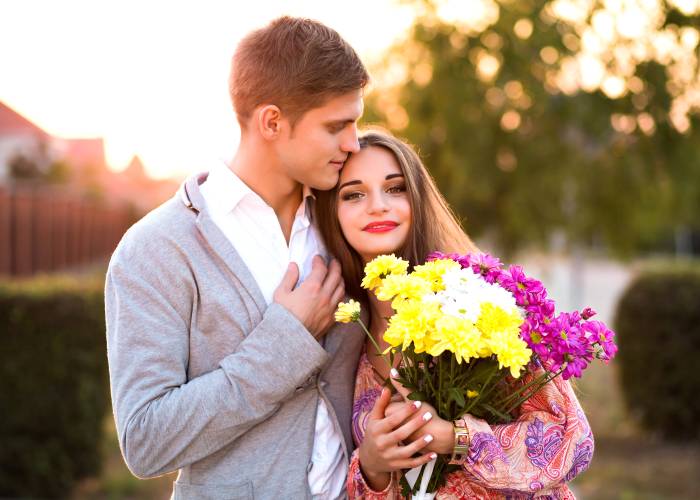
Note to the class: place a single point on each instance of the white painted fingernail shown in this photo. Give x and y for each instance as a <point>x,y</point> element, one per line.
<point>428,438</point>
<point>433,456</point>
<point>427,416</point>
<point>417,404</point>
<point>394,373</point>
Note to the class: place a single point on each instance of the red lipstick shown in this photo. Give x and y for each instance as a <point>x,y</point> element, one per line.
<point>380,227</point>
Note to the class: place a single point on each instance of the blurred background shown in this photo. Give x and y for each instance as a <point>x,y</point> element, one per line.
<point>565,134</point>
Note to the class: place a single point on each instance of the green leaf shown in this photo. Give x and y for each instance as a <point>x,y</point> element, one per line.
<point>457,396</point>
<point>417,396</point>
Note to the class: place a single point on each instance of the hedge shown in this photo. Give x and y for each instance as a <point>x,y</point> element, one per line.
<point>54,392</point>
<point>658,332</point>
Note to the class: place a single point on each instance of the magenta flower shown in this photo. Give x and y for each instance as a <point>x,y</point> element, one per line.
<point>439,255</point>
<point>523,288</point>
<point>588,313</point>
<point>603,337</point>
<point>567,342</point>
<point>484,264</point>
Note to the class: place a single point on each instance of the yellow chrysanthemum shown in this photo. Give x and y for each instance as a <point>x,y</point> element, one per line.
<point>347,311</point>
<point>472,394</point>
<point>401,287</point>
<point>458,336</point>
<point>433,271</point>
<point>412,323</point>
<point>494,319</point>
<point>511,351</point>
<point>380,267</point>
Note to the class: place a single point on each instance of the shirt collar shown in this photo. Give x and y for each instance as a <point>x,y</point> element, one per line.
<point>226,190</point>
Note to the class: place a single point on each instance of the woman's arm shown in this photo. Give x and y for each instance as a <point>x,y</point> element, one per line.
<point>549,444</point>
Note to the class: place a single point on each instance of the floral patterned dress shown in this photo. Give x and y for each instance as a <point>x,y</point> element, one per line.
<point>548,445</point>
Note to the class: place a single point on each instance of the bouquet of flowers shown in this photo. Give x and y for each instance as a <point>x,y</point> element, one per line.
<point>467,330</point>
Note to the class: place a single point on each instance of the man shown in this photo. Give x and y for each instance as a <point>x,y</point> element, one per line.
<point>224,361</point>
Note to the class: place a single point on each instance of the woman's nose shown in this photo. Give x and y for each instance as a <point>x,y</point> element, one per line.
<point>377,203</point>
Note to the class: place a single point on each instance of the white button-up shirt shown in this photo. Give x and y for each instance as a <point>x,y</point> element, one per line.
<point>253,229</point>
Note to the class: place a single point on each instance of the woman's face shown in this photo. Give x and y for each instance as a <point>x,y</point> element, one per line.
<point>373,207</point>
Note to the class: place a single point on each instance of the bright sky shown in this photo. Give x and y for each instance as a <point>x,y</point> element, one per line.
<point>151,76</point>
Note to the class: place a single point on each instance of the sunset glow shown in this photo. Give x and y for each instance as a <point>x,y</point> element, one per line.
<point>151,77</point>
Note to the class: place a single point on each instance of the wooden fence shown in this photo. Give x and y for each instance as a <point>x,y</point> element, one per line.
<point>45,230</point>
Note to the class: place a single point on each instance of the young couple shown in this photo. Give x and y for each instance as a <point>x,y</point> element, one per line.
<point>225,362</point>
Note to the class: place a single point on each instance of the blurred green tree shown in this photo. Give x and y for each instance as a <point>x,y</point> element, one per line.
<point>560,117</point>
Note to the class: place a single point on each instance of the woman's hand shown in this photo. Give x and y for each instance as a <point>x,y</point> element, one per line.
<point>382,451</point>
<point>441,430</point>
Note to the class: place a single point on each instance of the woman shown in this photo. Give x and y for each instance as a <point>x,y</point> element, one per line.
<point>386,202</point>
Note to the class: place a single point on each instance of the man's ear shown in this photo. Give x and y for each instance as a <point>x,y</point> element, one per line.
<point>270,121</point>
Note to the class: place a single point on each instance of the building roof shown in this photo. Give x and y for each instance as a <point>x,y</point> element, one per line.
<point>12,123</point>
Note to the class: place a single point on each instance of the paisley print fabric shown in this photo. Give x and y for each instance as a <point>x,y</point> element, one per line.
<point>549,444</point>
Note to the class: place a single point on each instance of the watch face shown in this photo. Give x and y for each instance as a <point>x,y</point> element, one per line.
<point>462,439</point>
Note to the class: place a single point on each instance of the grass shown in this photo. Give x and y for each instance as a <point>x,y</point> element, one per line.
<point>628,462</point>
<point>116,481</point>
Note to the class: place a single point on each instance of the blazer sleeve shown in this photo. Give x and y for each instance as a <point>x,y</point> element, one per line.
<point>165,421</point>
<point>549,444</point>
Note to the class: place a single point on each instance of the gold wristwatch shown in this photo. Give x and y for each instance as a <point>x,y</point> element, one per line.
<point>461,449</point>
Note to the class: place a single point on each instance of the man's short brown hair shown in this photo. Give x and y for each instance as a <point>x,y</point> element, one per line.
<point>296,64</point>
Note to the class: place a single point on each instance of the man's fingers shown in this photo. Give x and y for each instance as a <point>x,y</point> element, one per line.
<point>318,270</point>
<point>290,278</point>
<point>332,278</point>
<point>338,294</point>
<point>380,404</point>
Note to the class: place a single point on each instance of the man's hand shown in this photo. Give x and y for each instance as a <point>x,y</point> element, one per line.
<point>313,302</point>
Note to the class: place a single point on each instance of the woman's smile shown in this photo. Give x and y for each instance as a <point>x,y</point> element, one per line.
<point>380,226</point>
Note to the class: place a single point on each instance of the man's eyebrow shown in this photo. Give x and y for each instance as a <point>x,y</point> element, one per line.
<point>342,121</point>
<point>349,183</point>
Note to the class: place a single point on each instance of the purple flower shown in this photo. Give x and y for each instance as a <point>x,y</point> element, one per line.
<point>574,368</point>
<point>484,264</point>
<point>588,313</point>
<point>524,289</point>
<point>541,308</point>
<point>602,336</point>
<point>439,255</point>
<point>535,338</point>
<point>567,342</point>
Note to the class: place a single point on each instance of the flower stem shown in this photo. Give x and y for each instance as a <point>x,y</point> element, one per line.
<point>374,342</point>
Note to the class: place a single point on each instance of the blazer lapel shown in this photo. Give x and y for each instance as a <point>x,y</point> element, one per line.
<point>219,244</point>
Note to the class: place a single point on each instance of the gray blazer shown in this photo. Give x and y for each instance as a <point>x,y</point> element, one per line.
<point>205,377</point>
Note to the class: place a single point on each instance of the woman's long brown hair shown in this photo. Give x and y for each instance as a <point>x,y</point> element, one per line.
<point>433,226</point>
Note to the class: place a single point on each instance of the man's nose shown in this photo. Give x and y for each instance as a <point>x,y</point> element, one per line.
<point>350,142</point>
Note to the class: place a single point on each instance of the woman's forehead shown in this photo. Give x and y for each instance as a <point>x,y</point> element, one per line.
<point>371,162</point>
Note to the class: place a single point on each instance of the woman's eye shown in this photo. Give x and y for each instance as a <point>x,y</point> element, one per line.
<point>399,188</point>
<point>353,195</point>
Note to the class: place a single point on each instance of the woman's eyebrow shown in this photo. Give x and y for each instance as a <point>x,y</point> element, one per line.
<point>391,176</point>
<point>349,183</point>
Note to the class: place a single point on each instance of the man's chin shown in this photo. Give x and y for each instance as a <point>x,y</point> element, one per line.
<point>325,184</point>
